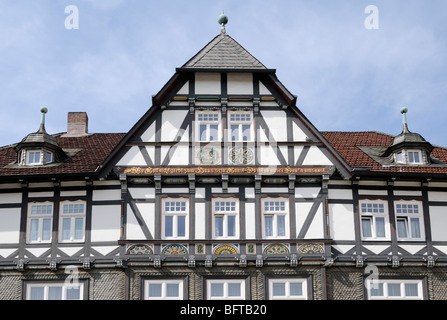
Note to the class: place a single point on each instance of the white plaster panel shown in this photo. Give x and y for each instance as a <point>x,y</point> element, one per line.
<point>407,193</point>
<point>106,223</point>
<point>9,225</point>
<point>250,193</point>
<point>373,192</point>
<point>301,211</point>
<point>316,157</point>
<point>142,193</point>
<point>200,220</point>
<point>298,134</point>
<point>250,220</point>
<point>149,134</point>
<point>240,83</point>
<point>277,124</point>
<point>342,221</point>
<point>106,195</point>
<point>342,194</point>
<point>200,193</point>
<point>10,198</point>
<point>307,192</point>
<point>207,83</point>
<point>180,156</point>
<point>132,157</point>
<point>438,221</point>
<point>437,196</point>
<point>263,90</point>
<point>184,89</point>
<point>46,194</point>
<point>74,193</point>
<point>275,190</point>
<point>174,190</point>
<point>133,228</point>
<point>316,228</point>
<point>268,156</point>
<point>170,123</point>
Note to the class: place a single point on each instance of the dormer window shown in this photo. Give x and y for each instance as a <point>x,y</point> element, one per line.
<point>409,157</point>
<point>38,157</point>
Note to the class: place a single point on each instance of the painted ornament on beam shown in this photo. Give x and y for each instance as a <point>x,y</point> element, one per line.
<point>226,249</point>
<point>241,156</point>
<point>208,156</point>
<point>311,248</point>
<point>276,248</point>
<point>140,249</point>
<point>174,249</point>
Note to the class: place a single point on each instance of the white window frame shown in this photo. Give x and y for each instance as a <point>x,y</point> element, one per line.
<point>33,215</point>
<point>383,286</point>
<point>240,123</point>
<point>216,204</point>
<point>47,285</point>
<point>408,219</point>
<point>175,215</point>
<point>404,156</point>
<point>72,216</point>
<point>199,121</point>
<point>34,163</point>
<point>164,283</point>
<point>287,295</point>
<point>225,283</point>
<point>374,210</point>
<point>275,212</point>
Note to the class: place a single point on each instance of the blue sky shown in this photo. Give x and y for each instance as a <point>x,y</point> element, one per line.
<point>346,77</point>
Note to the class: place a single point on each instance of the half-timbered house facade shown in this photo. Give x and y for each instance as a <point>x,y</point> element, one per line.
<point>222,190</point>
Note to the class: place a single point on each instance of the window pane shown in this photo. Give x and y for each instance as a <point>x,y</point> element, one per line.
<point>281,220</point>
<point>234,289</point>
<point>181,226</point>
<point>213,133</point>
<point>279,289</point>
<point>79,228</point>
<point>46,231</point>
<point>55,293</point>
<point>268,225</point>
<point>172,290</point>
<point>377,290</point>
<point>366,227</point>
<point>410,157</point>
<point>231,226</point>
<point>202,132</point>
<point>234,133</point>
<point>411,290</point>
<point>217,290</point>
<point>402,228</point>
<point>394,289</point>
<point>246,133</point>
<point>168,226</point>
<point>415,228</point>
<point>218,228</point>
<point>296,289</point>
<point>34,232</point>
<point>66,228</point>
<point>37,293</point>
<point>154,290</point>
<point>380,227</point>
<point>73,293</point>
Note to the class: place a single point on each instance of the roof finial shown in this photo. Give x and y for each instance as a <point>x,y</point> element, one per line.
<point>43,110</point>
<point>404,120</point>
<point>223,20</point>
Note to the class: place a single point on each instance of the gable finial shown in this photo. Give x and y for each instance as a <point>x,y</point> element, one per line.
<point>223,20</point>
<point>404,120</point>
<point>43,110</point>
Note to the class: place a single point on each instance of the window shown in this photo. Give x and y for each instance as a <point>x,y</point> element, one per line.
<point>207,126</point>
<point>54,291</point>
<point>409,220</point>
<point>163,289</point>
<point>275,213</point>
<point>175,218</point>
<point>394,289</point>
<point>72,221</point>
<point>40,221</point>
<point>221,289</point>
<point>409,157</point>
<point>374,220</point>
<point>225,218</point>
<point>38,157</point>
<point>282,289</point>
<point>240,126</point>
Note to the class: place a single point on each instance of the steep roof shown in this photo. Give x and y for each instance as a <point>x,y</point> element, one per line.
<point>352,146</point>
<point>223,52</point>
<point>86,154</point>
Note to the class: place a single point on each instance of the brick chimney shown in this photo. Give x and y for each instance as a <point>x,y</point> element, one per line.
<point>77,124</point>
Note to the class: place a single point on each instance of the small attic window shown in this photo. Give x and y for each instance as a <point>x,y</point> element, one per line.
<point>413,156</point>
<point>38,157</point>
